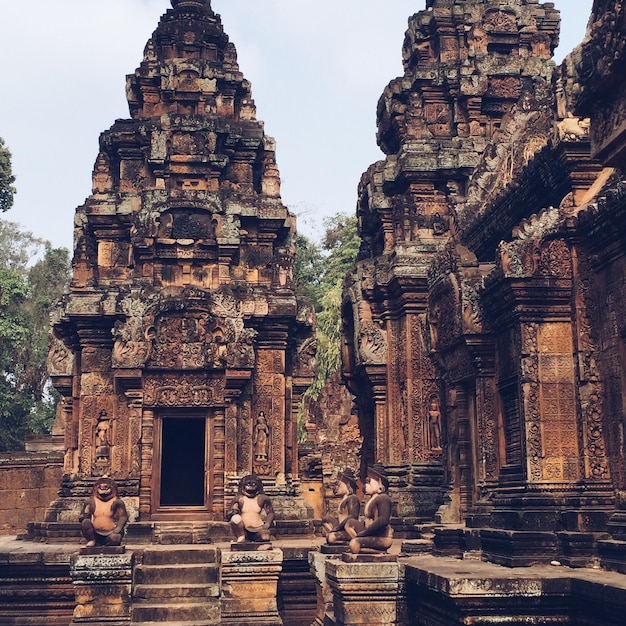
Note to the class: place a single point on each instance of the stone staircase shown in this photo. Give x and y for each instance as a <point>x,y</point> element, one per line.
<point>177,586</point>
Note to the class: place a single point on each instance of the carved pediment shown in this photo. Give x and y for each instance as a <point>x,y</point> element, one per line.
<point>534,252</point>
<point>500,22</point>
<point>60,359</point>
<point>372,344</point>
<point>187,224</point>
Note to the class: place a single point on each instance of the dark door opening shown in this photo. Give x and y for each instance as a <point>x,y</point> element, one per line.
<point>182,461</point>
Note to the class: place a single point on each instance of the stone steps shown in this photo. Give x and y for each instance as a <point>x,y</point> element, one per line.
<point>176,623</point>
<point>159,555</point>
<point>189,613</point>
<point>183,573</point>
<point>187,592</point>
<point>177,586</point>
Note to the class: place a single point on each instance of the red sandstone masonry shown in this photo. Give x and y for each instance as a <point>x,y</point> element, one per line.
<point>29,481</point>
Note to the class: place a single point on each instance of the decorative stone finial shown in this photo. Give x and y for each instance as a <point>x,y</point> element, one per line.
<point>194,4</point>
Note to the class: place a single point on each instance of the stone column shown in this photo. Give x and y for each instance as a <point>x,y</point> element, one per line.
<point>249,587</point>
<point>365,590</point>
<point>102,586</point>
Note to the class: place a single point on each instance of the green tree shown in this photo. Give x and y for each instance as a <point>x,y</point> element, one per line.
<point>17,247</point>
<point>340,247</point>
<point>319,273</point>
<point>13,336</point>
<point>29,287</point>
<point>7,190</point>
<point>308,269</point>
<point>47,280</point>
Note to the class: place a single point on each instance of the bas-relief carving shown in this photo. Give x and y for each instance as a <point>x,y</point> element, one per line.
<point>131,404</point>
<point>530,255</point>
<point>102,180</point>
<point>372,344</point>
<point>552,428</point>
<point>187,341</point>
<point>435,440</point>
<point>95,359</point>
<point>443,318</point>
<point>499,21</point>
<point>598,60</point>
<point>306,357</point>
<point>397,413</point>
<point>183,390</point>
<point>488,443</point>
<point>418,370</point>
<point>591,390</point>
<point>103,444</point>
<point>60,359</point>
<point>261,439</point>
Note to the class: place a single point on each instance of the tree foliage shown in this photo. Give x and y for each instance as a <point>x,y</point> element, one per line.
<point>29,287</point>
<point>319,273</point>
<point>7,190</point>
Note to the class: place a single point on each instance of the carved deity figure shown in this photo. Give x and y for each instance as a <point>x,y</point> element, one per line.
<point>104,515</point>
<point>261,438</point>
<point>103,443</point>
<point>434,422</point>
<point>374,534</point>
<point>349,509</point>
<point>251,513</point>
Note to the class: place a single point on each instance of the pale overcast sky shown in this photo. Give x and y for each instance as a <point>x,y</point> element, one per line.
<point>317,69</point>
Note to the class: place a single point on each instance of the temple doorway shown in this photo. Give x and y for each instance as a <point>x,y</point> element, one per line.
<point>182,475</point>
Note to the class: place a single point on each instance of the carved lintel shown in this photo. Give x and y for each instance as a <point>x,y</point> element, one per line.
<point>183,390</point>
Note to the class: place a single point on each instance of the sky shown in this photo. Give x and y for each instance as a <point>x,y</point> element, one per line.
<point>317,69</point>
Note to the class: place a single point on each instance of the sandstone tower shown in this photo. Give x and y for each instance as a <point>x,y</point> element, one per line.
<point>467,65</point>
<point>483,330</point>
<point>180,351</point>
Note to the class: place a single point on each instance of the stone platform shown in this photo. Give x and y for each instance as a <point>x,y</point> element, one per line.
<point>442,591</point>
<point>36,587</point>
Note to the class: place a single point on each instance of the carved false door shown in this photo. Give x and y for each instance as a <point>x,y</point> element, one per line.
<point>183,477</point>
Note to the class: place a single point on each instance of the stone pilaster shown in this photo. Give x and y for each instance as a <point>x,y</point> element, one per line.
<point>102,586</point>
<point>249,587</point>
<point>365,591</point>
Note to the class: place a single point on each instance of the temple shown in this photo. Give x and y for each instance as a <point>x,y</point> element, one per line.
<point>477,336</point>
<point>481,405</point>
<point>180,351</point>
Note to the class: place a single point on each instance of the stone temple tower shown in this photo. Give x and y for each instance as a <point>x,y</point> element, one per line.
<point>180,352</point>
<point>470,66</point>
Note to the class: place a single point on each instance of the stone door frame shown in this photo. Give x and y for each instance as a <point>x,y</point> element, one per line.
<point>205,511</point>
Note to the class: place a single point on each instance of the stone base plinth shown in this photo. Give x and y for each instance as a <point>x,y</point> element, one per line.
<point>578,549</point>
<point>102,586</point>
<point>334,548</point>
<point>249,587</point>
<point>516,548</point>
<point>364,592</point>
<point>612,554</point>
<point>251,546</point>
<point>317,563</point>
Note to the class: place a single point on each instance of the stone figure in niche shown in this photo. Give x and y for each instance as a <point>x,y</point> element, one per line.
<point>104,515</point>
<point>103,443</point>
<point>434,422</point>
<point>349,508</point>
<point>374,535</point>
<point>261,438</point>
<point>251,513</point>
